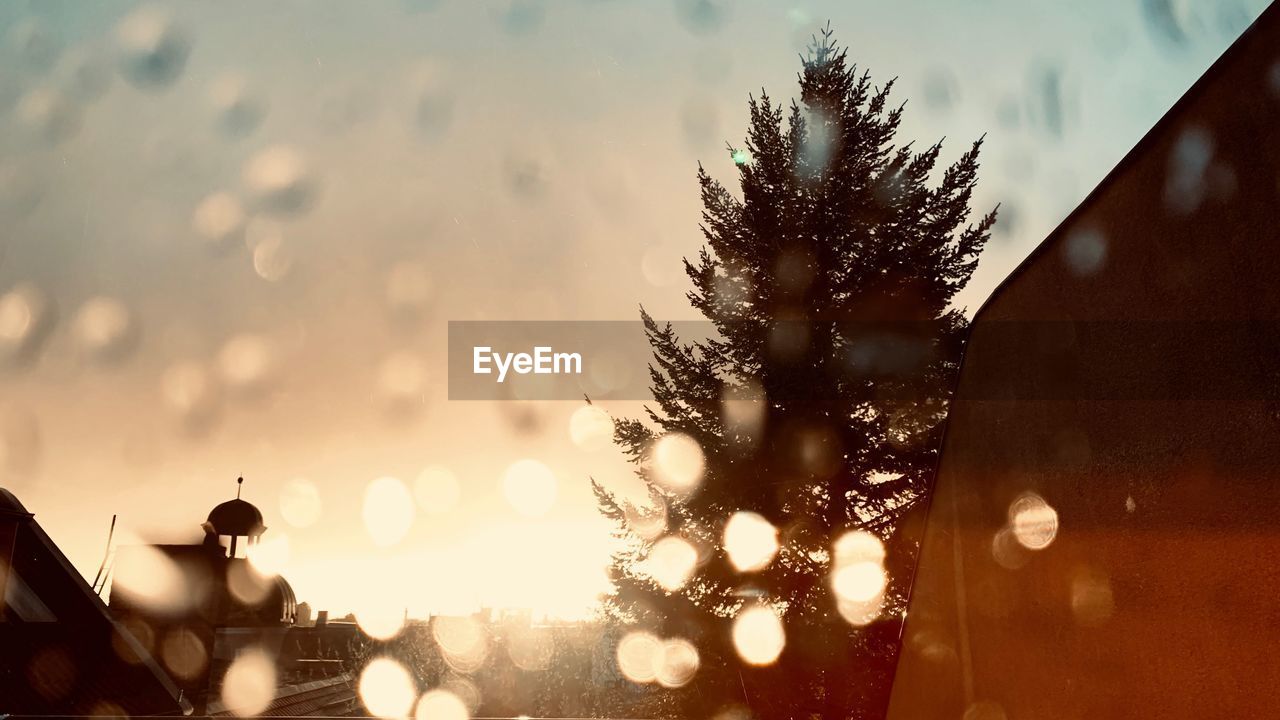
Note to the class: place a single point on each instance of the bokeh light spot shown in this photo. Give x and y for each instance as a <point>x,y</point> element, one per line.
<point>671,562</point>
<point>530,487</point>
<point>387,689</point>
<point>388,511</point>
<point>750,541</point>
<point>678,463</point>
<point>758,635</point>
<point>250,683</point>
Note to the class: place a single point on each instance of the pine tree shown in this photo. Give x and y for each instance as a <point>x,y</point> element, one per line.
<point>830,283</point>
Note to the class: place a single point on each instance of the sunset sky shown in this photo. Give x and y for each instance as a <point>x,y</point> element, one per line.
<point>401,164</point>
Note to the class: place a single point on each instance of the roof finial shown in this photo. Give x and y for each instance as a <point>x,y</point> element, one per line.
<point>239,484</point>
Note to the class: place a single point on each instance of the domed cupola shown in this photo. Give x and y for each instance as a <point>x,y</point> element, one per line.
<point>236,519</point>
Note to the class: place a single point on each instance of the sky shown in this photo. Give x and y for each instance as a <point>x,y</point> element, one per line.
<point>232,235</point>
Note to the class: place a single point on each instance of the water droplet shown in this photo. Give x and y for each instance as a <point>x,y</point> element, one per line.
<point>441,705</point>
<point>278,181</point>
<point>671,562</point>
<point>750,541</point>
<point>238,111</point>
<point>152,49</point>
<point>1033,521</point>
<point>249,685</point>
<point>677,463</point>
<point>758,635</point>
<point>530,487</point>
<point>104,330</point>
<point>591,428</point>
<point>387,689</point>
<point>26,320</point>
<point>49,114</point>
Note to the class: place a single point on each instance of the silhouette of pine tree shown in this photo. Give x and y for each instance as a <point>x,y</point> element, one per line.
<point>830,281</point>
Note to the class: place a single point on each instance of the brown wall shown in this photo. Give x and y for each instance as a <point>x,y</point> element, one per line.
<point>1148,417</point>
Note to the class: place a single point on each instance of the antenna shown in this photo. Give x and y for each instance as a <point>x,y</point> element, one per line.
<point>106,555</point>
<point>239,484</point>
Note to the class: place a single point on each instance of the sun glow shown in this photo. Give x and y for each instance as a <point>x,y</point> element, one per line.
<point>554,569</point>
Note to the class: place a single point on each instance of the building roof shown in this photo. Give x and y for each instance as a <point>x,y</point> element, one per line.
<point>237,518</point>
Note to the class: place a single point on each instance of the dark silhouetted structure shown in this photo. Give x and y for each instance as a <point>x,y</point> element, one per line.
<point>60,650</point>
<point>1103,537</point>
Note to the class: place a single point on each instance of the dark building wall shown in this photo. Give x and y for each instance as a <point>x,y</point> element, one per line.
<point>1128,374</point>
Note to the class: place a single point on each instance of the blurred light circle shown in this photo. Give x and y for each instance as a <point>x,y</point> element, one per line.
<point>750,541</point>
<point>591,428</point>
<point>152,50</point>
<point>269,557</point>
<point>238,111</point>
<point>441,705</point>
<point>84,75</point>
<point>677,462</point>
<point>104,329</point>
<point>757,635</point>
<point>637,656</point>
<point>409,291</point>
<point>192,394</point>
<point>26,319</point>
<point>247,584</point>
<point>671,562</point>
<point>246,363</point>
<point>1033,521</point>
<point>49,114</point>
<point>530,487</point>
<point>273,258</point>
<point>278,180</point>
<point>184,653</point>
<point>300,503</point>
<point>386,689</point>
<point>380,618</point>
<point>219,220</point>
<point>860,581</point>
<point>388,511</point>
<point>249,685</point>
<point>402,383</point>
<point>676,664</point>
<point>433,99</point>
<point>436,489</point>
<point>463,640</point>
<point>33,43</point>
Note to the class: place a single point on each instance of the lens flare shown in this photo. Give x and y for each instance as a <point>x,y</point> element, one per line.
<point>591,428</point>
<point>250,683</point>
<point>758,636</point>
<point>858,577</point>
<point>388,511</point>
<point>671,562</point>
<point>219,221</point>
<point>464,642</point>
<point>637,655</point>
<point>441,705</point>
<point>750,541</point>
<point>1033,521</point>
<point>530,487</point>
<point>387,689</point>
<point>270,556</point>
<point>380,618</point>
<point>676,663</point>
<point>678,463</point>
